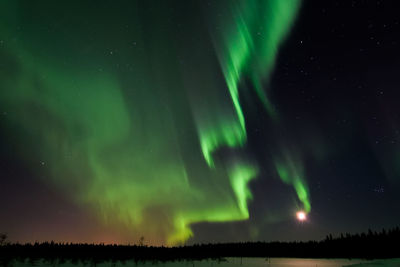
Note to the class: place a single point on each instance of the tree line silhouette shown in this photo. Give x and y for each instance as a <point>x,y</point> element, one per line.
<point>369,245</point>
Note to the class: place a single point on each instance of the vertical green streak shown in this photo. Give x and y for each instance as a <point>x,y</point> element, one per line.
<point>240,176</point>
<point>250,47</point>
<point>247,47</point>
<point>290,172</point>
<point>231,135</point>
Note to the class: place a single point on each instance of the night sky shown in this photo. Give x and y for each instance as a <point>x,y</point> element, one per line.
<point>198,121</point>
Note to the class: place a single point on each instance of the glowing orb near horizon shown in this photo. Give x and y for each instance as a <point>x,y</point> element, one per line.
<point>301,216</point>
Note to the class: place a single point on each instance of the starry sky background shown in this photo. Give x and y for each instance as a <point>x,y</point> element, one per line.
<point>118,120</point>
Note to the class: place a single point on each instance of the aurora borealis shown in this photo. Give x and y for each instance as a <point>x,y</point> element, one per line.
<point>169,120</point>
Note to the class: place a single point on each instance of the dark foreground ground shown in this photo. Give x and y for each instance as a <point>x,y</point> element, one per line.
<point>371,245</point>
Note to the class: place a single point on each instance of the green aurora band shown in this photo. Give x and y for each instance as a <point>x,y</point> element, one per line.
<point>249,49</point>
<point>291,172</point>
<point>128,132</point>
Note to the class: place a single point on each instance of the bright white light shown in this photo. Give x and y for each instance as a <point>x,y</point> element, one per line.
<point>301,216</point>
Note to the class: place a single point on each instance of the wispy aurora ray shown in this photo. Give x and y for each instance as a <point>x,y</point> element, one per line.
<point>291,172</point>
<point>248,49</point>
<point>124,129</point>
